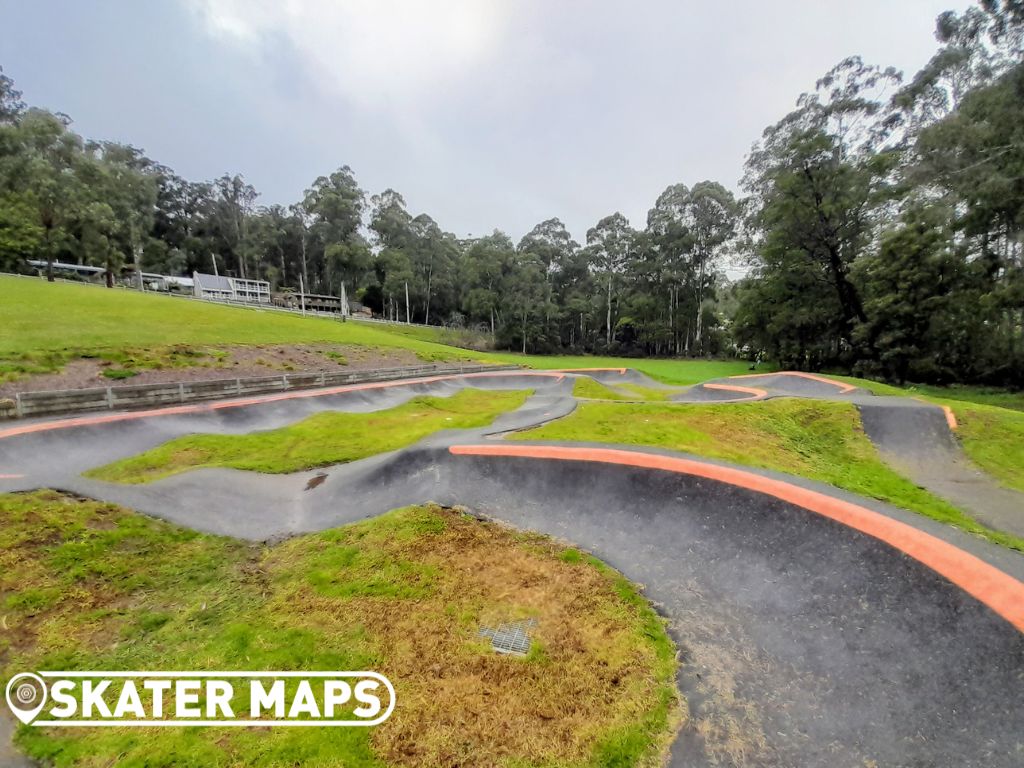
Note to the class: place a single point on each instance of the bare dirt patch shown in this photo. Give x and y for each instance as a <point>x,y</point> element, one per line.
<point>209,363</point>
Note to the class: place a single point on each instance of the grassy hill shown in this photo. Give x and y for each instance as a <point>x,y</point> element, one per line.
<point>47,324</point>
<point>40,317</point>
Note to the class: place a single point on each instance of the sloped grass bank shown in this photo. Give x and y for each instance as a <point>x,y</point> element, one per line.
<point>590,389</point>
<point>818,440</point>
<point>325,438</point>
<point>47,324</point>
<point>87,585</point>
<point>993,438</point>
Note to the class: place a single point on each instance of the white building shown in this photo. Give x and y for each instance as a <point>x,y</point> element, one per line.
<point>230,289</point>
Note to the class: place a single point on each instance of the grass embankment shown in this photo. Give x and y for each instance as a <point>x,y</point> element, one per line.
<point>993,438</point>
<point>47,324</point>
<point>589,389</point>
<point>815,439</point>
<point>86,585</point>
<point>325,438</point>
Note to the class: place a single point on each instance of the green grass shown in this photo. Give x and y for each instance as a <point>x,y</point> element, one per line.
<point>1001,398</point>
<point>86,585</point>
<point>325,438</point>
<point>589,389</point>
<point>47,324</point>
<point>815,439</point>
<point>957,393</point>
<point>993,438</point>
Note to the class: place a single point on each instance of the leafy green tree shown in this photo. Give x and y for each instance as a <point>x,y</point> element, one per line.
<point>609,243</point>
<point>11,105</point>
<point>21,234</point>
<point>335,205</point>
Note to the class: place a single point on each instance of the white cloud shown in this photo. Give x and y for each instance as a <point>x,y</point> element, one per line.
<point>377,53</point>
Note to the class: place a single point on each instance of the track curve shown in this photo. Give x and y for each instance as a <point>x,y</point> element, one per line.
<point>806,639</point>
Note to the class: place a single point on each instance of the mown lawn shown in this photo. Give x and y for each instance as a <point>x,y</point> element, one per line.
<point>90,586</point>
<point>47,324</point>
<point>330,437</point>
<point>668,371</point>
<point>815,439</point>
<point>589,389</point>
<point>993,438</point>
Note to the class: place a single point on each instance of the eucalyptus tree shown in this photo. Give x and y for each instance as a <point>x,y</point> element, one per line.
<point>553,247</point>
<point>609,243</point>
<point>43,159</point>
<point>815,181</point>
<point>486,266</point>
<point>711,218</point>
<point>672,243</point>
<point>11,105</point>
<point>336,204</point>
<point>525,296</point>
<point>234,203</point>
<point>132,186</point>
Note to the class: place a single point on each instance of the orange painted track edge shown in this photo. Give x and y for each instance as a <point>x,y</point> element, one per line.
<point>842,385</point>
<point>950,417</point>
<point>756,394</point>
<point>620,371</point>
<point>991,586</point>
<point>175,410</point>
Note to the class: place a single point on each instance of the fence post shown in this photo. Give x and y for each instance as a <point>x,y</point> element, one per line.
<point>19,410</point>
<point>110,399</point>
<point>284,381</point>
<point>181,392</point>
<point>238,386</point>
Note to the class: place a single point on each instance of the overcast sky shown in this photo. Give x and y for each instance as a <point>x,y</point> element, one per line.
<point>484,114</point>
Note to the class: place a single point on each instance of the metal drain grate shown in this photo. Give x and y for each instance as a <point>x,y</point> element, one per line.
<point>510,638</point>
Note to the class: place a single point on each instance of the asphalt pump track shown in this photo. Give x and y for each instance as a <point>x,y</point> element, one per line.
<point>815,627</point>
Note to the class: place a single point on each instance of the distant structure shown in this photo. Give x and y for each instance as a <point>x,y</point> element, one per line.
<point>219,288</point>
<point>311,302</point>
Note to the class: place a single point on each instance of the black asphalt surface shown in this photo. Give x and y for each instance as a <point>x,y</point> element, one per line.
<point>803,642</point>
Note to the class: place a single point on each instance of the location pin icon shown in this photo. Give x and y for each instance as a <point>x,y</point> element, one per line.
<point>26,696</point>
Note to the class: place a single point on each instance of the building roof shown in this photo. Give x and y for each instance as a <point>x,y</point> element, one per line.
<point>212,282</point>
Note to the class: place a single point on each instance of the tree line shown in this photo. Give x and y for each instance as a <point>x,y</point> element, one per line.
<point>880,221</point>
<point>885,217</point>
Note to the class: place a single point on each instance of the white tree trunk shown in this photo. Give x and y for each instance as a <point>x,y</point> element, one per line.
<point>608,340</point>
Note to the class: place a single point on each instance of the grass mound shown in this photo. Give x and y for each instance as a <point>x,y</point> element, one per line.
<point>48,324</point>
<point>88,585</point>
<point>993,438</point>
<point>325,438</point>
<point>815,439</point>
<point>589,389</point>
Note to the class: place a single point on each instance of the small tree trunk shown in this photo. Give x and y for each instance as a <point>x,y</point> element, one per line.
<point>407,320</point>
<point>430,274</point>
<point>524,329</point>
<point>305,274</point>
<point>608,341</point>
<point>137,257</point>
<point>49,254</point>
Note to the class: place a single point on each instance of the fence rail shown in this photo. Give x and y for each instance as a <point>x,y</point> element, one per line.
<point>128,397</point>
